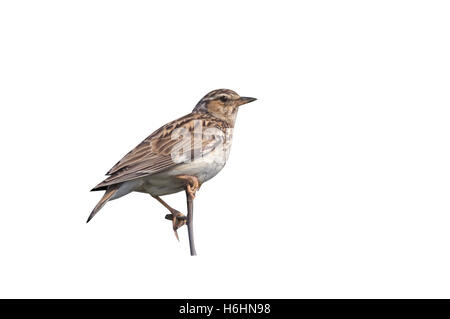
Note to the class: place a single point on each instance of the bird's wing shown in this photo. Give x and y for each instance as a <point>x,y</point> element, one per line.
<point>154,154</point>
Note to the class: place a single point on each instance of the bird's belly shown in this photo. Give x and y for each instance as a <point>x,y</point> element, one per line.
<point>204,168</point>
<point>161,184</point>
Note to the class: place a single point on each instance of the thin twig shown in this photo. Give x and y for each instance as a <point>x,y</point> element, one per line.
<point>190,222</point>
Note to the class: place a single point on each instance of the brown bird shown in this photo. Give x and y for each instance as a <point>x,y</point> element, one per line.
<point>181,155</point>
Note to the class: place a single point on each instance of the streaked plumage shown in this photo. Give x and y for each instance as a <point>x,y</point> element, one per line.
<point>150,166</point>
<point>153,155</point>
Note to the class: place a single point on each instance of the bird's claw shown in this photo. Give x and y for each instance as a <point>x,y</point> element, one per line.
<point>178,220</point>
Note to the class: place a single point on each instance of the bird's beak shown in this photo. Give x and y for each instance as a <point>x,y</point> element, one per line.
<point>244,100</point>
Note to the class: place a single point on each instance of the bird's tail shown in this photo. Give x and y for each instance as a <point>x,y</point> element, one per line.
<point>106,197</point>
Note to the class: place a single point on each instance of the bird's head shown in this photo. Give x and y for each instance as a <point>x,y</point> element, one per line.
<point>222,104</point>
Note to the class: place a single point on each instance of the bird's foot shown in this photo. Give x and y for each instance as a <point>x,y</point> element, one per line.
<point>178,220</point>
<point>192,184</point>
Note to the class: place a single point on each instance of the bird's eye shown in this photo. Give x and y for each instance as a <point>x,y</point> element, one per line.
<point>223,98</point>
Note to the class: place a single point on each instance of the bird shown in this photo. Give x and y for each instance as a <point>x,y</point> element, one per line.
<point>180,155</point>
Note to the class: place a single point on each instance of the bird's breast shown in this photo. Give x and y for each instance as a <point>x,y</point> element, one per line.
<point>205,166</point>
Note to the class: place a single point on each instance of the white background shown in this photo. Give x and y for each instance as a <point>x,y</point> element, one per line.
<point>338,180</point>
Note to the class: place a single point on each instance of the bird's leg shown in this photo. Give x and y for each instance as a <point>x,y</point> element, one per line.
<point>192,185</point>
<point>177,218</point>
